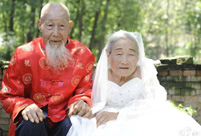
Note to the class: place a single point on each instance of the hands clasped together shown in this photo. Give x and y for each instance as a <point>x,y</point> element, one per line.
<point>34,114</point>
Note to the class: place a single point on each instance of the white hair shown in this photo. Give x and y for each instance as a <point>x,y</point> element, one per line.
<point>120,35</point>
<point>58,57</point>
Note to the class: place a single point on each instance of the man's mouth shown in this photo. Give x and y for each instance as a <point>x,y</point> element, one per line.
<point>55,41</point>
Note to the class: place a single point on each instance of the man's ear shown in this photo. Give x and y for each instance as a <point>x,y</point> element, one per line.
<point>70,26</point>
<point>39,24</point>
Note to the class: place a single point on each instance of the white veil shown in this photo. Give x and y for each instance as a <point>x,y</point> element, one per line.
<point>151,115</point>
<point>148,74</point>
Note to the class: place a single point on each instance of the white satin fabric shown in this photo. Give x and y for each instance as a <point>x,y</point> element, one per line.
<point>137,116</point>
<point>141,103</point>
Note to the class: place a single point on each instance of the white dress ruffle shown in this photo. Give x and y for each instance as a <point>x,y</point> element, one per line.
<point>137,116</point>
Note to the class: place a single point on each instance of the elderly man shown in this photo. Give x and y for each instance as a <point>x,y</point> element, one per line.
<point>48,79</point>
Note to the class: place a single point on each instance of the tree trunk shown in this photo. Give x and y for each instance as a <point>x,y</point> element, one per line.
<point>95,25</point>
<point>12,16</point>
<point>166,33</point>
<point>40,7</point>
<point>75,21</point>
<point>32,24</point>
<point>4,16</point>
<point>81,20</point>
<point>102,37</point>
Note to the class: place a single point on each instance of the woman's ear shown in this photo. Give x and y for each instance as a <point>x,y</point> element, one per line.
<point>107,52</point>
<point>108,58</point>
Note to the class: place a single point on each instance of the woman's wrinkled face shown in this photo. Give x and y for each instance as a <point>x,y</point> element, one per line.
<point>123,57</point>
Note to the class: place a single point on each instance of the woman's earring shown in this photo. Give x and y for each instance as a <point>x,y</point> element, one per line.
<point>108,65</point>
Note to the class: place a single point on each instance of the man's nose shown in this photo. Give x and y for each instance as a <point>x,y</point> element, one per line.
<point>56,31</point>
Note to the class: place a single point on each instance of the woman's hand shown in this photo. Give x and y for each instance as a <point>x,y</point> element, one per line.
<point>105,116</point>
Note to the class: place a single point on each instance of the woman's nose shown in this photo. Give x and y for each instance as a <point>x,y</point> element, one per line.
<point>124,59</point>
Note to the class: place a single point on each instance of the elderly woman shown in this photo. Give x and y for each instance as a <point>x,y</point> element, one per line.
<point>127,97</point>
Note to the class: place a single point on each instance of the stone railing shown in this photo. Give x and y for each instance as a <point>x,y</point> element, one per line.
<point>180,77</point>
<point>4,118</point>
<point>182,81</point>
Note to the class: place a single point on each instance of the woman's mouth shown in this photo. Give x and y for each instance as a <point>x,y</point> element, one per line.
<point>123,67</point>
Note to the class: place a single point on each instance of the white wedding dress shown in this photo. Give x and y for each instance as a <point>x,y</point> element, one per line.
<point>141,104</point>
<point>137,116</point>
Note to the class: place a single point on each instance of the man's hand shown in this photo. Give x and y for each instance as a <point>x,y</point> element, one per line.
<point>105,116</point>
<point>80,108</point>
<point>33,113</point>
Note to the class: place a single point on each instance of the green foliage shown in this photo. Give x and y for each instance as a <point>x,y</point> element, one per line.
<point>169,27</point>
<point>7,45</point>
<point>188,110</point>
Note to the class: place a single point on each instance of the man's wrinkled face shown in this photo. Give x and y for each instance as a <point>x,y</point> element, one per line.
<point>55,27</point>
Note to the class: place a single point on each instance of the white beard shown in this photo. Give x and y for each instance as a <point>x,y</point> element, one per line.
<point>58,57</point>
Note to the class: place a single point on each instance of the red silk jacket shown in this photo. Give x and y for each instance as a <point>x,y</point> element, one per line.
<point>29,80</point>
